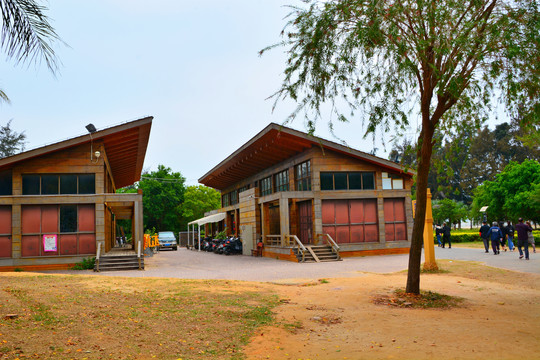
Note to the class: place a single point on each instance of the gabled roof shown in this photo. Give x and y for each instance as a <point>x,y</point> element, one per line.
<point>125,146</point>
<point>274,144</point>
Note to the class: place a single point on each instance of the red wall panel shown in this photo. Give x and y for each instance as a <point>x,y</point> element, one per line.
<point>31,219</point>
<point>87,218</point>
<point>5,246</point>
<point>67,244</point>
<point>49,219</point>
<point>87,244</point>
<point>5,219</point>
<point>342,211</point>
<point>357,211</point>
<point>370,210</point>
<point>30,245</point>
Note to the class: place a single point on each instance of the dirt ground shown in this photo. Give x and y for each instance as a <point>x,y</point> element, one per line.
<point>336,318</point>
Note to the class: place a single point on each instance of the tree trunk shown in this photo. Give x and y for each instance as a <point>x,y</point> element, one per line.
<point>415,254</point>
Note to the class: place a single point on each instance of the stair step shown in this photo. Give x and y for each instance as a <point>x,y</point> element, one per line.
<point>117,263</point>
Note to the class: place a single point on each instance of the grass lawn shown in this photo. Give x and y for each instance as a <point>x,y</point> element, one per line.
<point>86,317</point>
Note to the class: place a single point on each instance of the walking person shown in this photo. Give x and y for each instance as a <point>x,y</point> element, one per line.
<point>530,237</point>
<point>438,231</point>
<point>495,234</point>
<point>484,235</point>
<point>446,236</point>
<point>510,235</point>
<point>503,233</point>
<point>523,238</point>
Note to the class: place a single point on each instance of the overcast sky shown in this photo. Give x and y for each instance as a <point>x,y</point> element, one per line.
<point>192,65</point>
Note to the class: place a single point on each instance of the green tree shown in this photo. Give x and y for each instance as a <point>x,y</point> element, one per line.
<point>27,35</point>
<point>386,57</point>
<point>11,142</point>
<point>513,193</point>
<point>199,199</point>
<point>450,211</point>
<point>163,195</point>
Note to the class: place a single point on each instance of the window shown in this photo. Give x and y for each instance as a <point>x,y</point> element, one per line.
<point>282,180</point>
<point>49,184</point>
<point>68,218</point>
<point>30,185</point>
<point>87,184</point>
<point>392,181</point>
<point>5,183</point>
<point>234,197</point>
<point>225,200</point>
<point>52,184</point>
<point>68,184</point>
<point>303,176</point>
<point>266,186</point>
<point>347,181</point>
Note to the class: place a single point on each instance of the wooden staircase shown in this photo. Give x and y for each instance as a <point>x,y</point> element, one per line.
<point>318,253</point>
<point>118,263</point>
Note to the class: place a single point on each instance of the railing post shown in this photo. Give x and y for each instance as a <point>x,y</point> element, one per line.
<point>139,254</point>
<point>97,256</point>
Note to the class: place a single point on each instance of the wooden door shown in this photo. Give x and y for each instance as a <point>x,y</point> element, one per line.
<point>305,221</point>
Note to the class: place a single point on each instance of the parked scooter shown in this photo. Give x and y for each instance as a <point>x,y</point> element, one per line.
<point>232,246</point>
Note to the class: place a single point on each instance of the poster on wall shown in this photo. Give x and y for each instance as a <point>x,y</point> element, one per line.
<point>50,242</point>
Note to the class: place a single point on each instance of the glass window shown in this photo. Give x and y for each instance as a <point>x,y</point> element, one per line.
<point>87,184</point>
<point>30,184</point>
<point>327,181</point>
<point>68,184</point>
<point>234,197</point>
<point>68,218</point>
<point>340,181</point>
<point>49,184</point>
<point>303,176</point>
<point>282,180</point>
<point>355,181</point>
<point>368,181</point>
<point>225,200</point>
<point>6,186</point>
<point>266,186</point>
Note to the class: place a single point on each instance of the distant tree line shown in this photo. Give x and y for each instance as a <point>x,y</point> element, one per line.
<point>468,166</point>
<point>168,204</point>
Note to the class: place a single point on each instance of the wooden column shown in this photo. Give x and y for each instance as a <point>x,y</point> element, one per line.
<point>138,220</point>
<point>16,226</point>
<point>284,219</point>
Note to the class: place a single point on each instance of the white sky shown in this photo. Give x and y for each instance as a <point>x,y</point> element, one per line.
<point>193,65</point>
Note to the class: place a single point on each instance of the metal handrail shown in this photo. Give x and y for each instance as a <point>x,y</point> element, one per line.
<point>335,247</point>
<point>299,245</point>
<point>97,256</point>
<point>139,254</point>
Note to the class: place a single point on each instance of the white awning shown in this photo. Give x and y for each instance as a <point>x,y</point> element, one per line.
<point>209,219</point>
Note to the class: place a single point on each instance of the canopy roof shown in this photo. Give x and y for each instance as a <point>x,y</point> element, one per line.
<point>125,146</point>
<point>274,144</point>
<point>209,219</point>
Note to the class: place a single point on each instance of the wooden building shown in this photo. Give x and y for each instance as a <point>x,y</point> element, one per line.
<point>58,202</point>
<point>293,190</point>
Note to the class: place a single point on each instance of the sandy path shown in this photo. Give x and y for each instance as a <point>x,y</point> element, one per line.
<point>339,321</point>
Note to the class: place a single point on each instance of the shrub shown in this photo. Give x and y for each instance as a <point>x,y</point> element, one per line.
<point>85,264</point>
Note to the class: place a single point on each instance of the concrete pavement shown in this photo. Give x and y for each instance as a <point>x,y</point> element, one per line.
<point>189,264</point>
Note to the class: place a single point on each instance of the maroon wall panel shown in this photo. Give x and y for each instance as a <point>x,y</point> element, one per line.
<point>389,232</point>
<point>31,219</point>
<point>5,219</point>
<point>370,210</point>
<point>342,211</point>
<point>330,230</point>
<point>372,233</point>
<point>357,233</point>
<point>357,212</point>
<point>342,234</point>
<point>401,232</point>
<point>87,218</point>
<point>87,244</point>
<point>5,246</point>
<point>49,219</point>
<point>389,210</point>
<point>328,212</point>
<point>30,245</point>
<point>67,244</point>
<point>399,210</point>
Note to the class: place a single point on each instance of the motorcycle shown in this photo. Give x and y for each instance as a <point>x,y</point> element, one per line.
<point>232,246</point>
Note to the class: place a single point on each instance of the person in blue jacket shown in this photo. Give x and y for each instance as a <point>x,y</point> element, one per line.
<point>496,235</point>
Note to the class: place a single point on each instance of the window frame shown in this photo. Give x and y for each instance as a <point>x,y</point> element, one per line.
<point>281,181</point>
<point>347,174</point>
<point>302,173</point>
